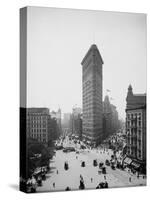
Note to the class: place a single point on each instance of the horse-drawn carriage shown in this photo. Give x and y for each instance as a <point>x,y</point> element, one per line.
<point>95,163</point>
<point>82,164</point>
<point>102,185</point>
<point>66,166</point>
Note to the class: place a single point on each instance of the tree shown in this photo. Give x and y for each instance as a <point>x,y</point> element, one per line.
<point>37,155</point>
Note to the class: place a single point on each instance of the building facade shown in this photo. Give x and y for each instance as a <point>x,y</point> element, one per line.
<point>38,124</point>
<point>57,117</point>
<point>110,118</point>
<point>66,124</point>
<point>114,120</point>
<point>107,116</point>
<point>76,122</point>
<point>92,95</point>
<point>136,128</point>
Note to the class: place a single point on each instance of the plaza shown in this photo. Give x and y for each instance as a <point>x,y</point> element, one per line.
<point>58,179</point>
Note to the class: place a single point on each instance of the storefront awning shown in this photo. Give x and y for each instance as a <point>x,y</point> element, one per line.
<point>128,160</point>
<point>135,164</point>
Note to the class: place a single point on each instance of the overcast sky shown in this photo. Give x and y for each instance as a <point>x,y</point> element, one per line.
<point>57,41</point>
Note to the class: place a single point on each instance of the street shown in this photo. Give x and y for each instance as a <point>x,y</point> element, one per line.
<point>58,179</point>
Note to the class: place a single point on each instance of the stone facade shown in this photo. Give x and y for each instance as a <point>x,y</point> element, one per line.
<point>92,95</point>
<point>38,124</point>
<point>136,126</point>
<point>110,118</point>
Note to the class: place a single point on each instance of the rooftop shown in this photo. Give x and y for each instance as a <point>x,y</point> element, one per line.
<point>38,110</point>
<point>93,48</point>
<point>135,101</point>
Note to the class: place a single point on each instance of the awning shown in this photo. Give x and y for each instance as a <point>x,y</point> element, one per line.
<point>128,160</point>
<point>135,164</point>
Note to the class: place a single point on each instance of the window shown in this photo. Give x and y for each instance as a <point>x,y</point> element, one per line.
<point>139,133</point>
<point>139,123</point>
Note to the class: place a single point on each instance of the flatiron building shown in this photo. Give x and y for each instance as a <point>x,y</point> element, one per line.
<point>92,96</point>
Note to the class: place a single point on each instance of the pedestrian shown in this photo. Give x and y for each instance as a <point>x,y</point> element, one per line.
<point>67,188</point>
<point>106,184</point>
<point>129,179</point>
<point>104,177</point>
<point>57,171</point>
<point>81,177</point>
<point>91,180</point>
<point>53,185</point>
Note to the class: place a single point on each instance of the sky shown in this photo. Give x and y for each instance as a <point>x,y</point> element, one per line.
<point>57,41</point>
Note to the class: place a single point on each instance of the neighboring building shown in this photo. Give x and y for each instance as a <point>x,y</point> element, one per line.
<point>59,121</point>
<point>57,116</point>
<point>122,127</point>
<point>38,124</point>
<point>107,116</point>
<point>110,118</point>
<point>66,120</point>
<point>92,126</point>
<point>66,124</point>
<point>136,129</point>
<point>114,119</point>
<point>43,125</point>
<point>76,122</point>
<point>54,131</point>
